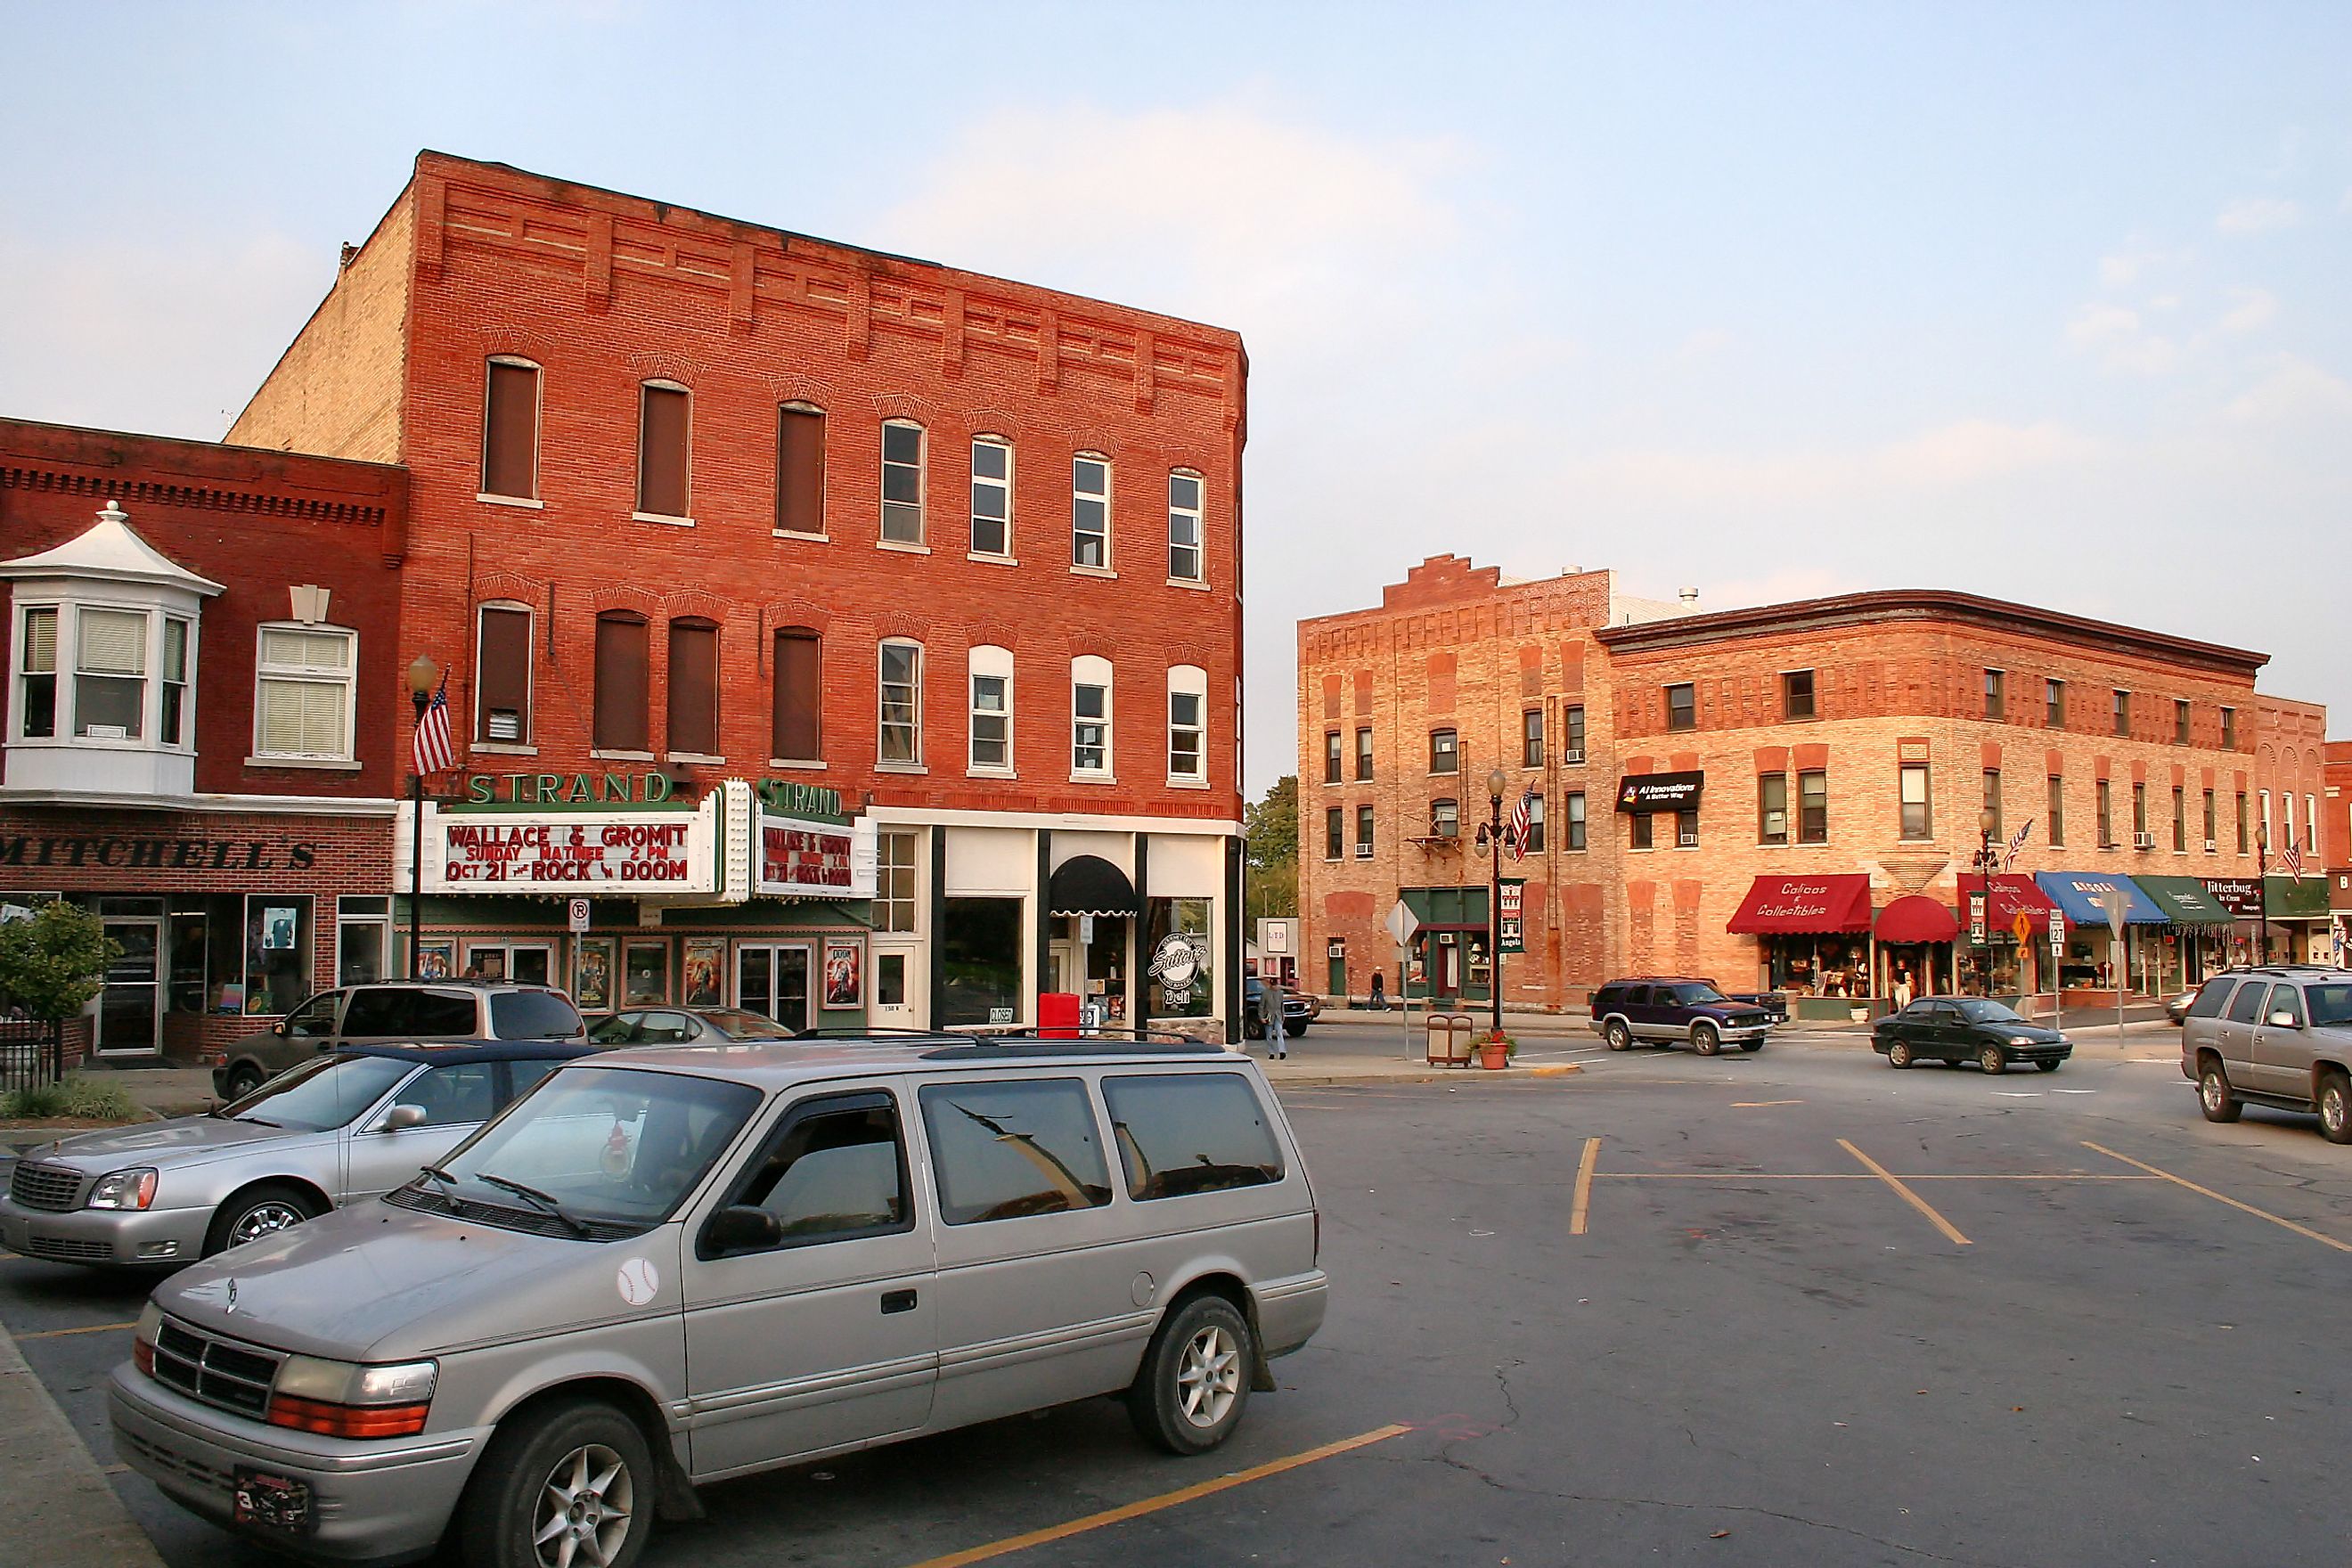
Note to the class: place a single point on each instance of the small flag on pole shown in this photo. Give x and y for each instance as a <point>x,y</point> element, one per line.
<point>2017,842</point>
<point>433,750</point>
<point>2293,858</point>
<point>1522,819</point>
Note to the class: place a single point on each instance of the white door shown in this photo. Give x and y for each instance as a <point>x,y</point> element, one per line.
<point>131,1007</point>
<point>895,1005</point>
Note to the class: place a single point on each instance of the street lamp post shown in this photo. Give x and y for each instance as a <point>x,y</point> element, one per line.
<point>1490,841</point>
<point>424,675</point>
<point>1987,861</point>
<point>2262,884</point>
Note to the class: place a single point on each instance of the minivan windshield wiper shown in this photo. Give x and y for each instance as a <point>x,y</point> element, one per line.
<point>541,1200</point>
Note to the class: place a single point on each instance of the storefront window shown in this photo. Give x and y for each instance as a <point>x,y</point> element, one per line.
<point>645,977</point>
<point>188,959</point>
<point>980,961</point>
<point>361,927</point>
<point>1175,990</point>
<point>276,952</point>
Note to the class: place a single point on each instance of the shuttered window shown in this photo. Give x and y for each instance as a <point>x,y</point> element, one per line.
<point>694,687</point>
<point>502,677</point>
<point>511,431</point>
<point>799,697</point>
<point>302,693</point>
<point>109,674</point>
<point>37,670</point>
<point>799,470</point>
<point>661,451</point>
<point>621,642</point>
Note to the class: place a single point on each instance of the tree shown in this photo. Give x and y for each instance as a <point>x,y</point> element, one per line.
<point>53,963</point>
<point>1270,852</point>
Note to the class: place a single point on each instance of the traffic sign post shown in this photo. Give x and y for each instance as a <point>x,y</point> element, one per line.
<point>576,919</point>
<point>1400,925</point>
<point>2058,968</point>
<point>2116,903</point>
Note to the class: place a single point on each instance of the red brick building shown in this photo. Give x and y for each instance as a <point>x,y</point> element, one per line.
<point>196,631</point>
<point>1793,795</point>
<point>944,569</point>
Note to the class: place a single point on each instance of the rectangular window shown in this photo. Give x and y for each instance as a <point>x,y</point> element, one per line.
<point>2180,723</point>
<point>992,722</point>
<point>1531,738</point>
<point>1335,833</point>
<point>2139,812</point>
<point>363,941</point>
<point>1682,707</point>
<point>1444,819</point>
<point>1772,809</point>
<point>1992,804</point>
<point>2104,803</point>
<point>2229,729</point>
<point>1185,736</point>
<point>1996,694</point>
<point>1363,754</point>
<point>622,659</point>
<point>1813,807</point>
<point>894,878</point>
<point>2212,825</point>
<point>796,732</point>
<point>901,715</point>
<point>694,687</point>
<point>902,482</point>
<point>1090,512</point>
<point>2241,822</point>
<point>172,726</point>
<point>276,952</point>
<point>302,693</point>
<point>502,676</point>
<point>1331,764</point>
<point>36,674</point>
<point>1179,1134</point>
<point>1184,563</point>
<point>1918,822</point>
<point>1166,918</point>
<point>980,966</point>
<point>1575,803</point>
<point>2053,704</point>
<point>2057,811</point>
<point>991,496</point>
<point>1445,752</point>
<point>511,431</point>
<point>661,451</point>
<point>1637,827</point>
<point>1572,723</point>
<point>109,674</point>
<point>1089,727</point>
<point>1687,830</point>
<point>1796,694</point>
<point>799,470</point>
<point>1535,823</point>
<point>1364,830</point>
<point>2179,819</point>
<point>2122,711</point>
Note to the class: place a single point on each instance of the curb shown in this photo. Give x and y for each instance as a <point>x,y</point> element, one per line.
<point>65,1515</point>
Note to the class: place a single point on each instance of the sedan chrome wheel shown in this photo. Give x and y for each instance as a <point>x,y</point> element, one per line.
<point>1208,1378</point>
<point>266,1218</point>
<point>584,1508</point>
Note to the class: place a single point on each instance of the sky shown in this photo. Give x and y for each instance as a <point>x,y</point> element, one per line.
<point>2045,303</point>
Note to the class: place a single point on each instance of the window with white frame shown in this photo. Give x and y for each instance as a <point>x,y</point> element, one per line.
<point>130,670</point>
<point>991,496</point>
<point>1187,703</point>
<point>303,683</point>
<point>1090,717</point>
<point>992,710</point>
<point>1090,510</point>
<point>1184,526</point>
<point>902,482</point>
<point>109,674</point>
<point>37,673</point>
<point>902,710</point>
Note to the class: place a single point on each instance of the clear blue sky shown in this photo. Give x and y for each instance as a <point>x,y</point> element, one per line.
<point>1766,300</point>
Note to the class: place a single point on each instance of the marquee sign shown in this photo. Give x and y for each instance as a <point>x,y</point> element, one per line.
<point>617,852</point>
<point>1644,793</point>
<point>798,857</point>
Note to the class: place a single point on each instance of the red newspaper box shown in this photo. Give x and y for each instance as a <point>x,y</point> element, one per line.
<point>1058,1014</point>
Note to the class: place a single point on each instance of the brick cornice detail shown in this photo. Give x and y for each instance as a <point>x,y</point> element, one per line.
<point>664,365</point>
<point>903,406</point>
<point>693,602</point>
<point>620,596</point>
<point>801,389</point>
<point>511,585</point>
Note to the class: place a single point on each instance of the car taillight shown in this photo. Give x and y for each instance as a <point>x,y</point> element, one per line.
<point>1318,1239</point>
<point>331,1420</point>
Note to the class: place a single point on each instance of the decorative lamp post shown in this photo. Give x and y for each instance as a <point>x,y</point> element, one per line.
<point>1490,843</point>
<point>1987,861</point>
<point>424,677</point>
<point>2262,883</point>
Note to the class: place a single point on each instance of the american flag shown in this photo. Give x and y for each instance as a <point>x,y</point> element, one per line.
<point>2016,842</point>
<point>2293,858</point>
<point>1522,819</point>
<point>433,750</point>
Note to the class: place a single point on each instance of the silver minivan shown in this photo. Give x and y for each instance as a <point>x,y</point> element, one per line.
<point>668,1267</point>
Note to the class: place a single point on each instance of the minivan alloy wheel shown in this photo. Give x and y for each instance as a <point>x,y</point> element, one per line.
<point>1209,1379</point>
<point>584,1508</point>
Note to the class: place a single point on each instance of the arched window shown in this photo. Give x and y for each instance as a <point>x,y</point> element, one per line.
<point>694,685</point>
<point>511,428</point>
<point>991,496</point>
<point>1090,511</point>
<point>900,714</point>
<point>1090,718</point>
<point>663,419</point>
<point>503,674</point>
<point>799,470</point>
<point>902,482</point>
<point>1185,559</point>
<point>992,710</point>
<point>799,700</point>
<point>1188,702</point>
<point>621,682</point>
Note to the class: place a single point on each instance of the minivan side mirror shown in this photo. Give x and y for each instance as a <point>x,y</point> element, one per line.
<point>2283,1019</point>
<point>741,1228</point>
<point>401,1117</point>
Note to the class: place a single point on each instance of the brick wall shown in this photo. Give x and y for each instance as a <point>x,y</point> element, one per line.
<point>337,388</point>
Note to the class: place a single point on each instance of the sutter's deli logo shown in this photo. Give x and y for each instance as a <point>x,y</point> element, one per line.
<point>489,851</point>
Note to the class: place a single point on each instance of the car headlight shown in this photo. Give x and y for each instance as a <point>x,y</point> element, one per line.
<point>2023,1040</point>
<point>131,1189</point>
<point>143,1337</point>
<point>345,1399</point>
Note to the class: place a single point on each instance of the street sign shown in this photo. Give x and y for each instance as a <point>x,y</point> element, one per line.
<point>2058,932</point>
<point>578,913</point>
<point>1975,919</point>
<point>2023,927</point>
<point>2116,903</point>
<point>1403,922</point>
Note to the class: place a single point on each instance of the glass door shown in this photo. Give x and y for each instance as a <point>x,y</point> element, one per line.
<point>131,1007</point>
<point>774,982</point>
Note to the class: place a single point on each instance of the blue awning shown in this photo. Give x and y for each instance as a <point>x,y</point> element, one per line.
<point>2077,892</point>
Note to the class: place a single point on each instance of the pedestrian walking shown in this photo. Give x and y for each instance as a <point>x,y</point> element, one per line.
<point>1379,992</point>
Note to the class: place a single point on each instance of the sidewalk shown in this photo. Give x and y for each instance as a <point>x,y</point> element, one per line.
<point>65,1515</point>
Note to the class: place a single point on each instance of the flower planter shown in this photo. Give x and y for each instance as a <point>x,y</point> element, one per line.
<point>1494,1056</point>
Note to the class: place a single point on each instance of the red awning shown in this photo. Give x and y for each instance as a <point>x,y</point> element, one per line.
<point>1798,905</point>
<point>1914,919</point>
<point>2011,896</point>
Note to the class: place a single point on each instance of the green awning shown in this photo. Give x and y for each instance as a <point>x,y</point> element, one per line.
<point>2296,898</point>
<point>2184,900</point>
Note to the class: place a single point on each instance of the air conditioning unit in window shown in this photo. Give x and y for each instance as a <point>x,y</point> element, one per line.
<point>1363,851</point>
<point>1574,757</point>
<point>2143,840</point>
<point>2209,847</point>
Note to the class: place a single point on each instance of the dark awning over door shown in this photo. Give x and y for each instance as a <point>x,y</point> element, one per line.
<point>1090,885</point>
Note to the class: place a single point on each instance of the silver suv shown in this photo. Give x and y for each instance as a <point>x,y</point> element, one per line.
<point>2278,1036</point>
<point>395,1012</point>
<point>674,1266</point>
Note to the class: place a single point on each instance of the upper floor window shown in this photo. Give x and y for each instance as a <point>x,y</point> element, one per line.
<point>1576,820</point>
<point>1188,699</point>
<point>110,674</point>
<point>1531,738</point>
<point>502,675</point>
<point>1091,716</point>
<point>623,679</point>
<point>1996,694</point>
<point>991,496</point>
<point>36,674</point>
<point>799,470</point>
<point>1917,822</point>
<point>899,716</point>
<point>1184,526</point>
<point>1571,724</point>
<point>1335,833</point>
<point>1331,756</point>
<point>662,426</point>
<point>2180,723</point>
<point>1681,706</point>
<point>303,682</point>
<point>2122,712</point>
<point>510,430</point>
<point>694,685</point>
<point>1444,819</point>
<point>1813,807</point>
<point>1090,510</point>
<point>992,710</point>
<point>2054,813</point>
<point>2229,729</point>
<point>1796,694</point>
<point>1535,838</point>
<point>1364,754</point>
<point>2053,704</point>
<point>2102,811</point>
<point>797,707</point>
<point>1445,752</point>
<point>1772,809</point>
<point>902,482</point>
<point>1990,817</point>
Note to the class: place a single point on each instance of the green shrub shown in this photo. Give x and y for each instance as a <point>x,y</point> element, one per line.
<point>88,1099</point>
<point>54,963</point>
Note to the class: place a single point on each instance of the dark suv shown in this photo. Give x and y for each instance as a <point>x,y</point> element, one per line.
<point>1666,1009</point>
<point>396,1011</point>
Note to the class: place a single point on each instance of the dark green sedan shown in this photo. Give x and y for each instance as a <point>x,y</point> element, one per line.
<point>1965,1029</point>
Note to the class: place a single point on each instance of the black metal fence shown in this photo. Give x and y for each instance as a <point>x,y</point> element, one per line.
<point>31,1054</point>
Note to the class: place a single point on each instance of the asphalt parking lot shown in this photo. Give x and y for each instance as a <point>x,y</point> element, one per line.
<point>1794,1307</point>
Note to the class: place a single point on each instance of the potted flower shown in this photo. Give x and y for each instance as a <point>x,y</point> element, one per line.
<point>1495,1052</point>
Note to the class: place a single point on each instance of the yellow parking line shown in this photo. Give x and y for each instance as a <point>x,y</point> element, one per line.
<point>1951,1234</point>
<point>1761,1104</point>
<point>1167,1499</point>
<point>1582,1202</point>
<point>1734,1176</point>
<point>2217,1197</point>
<point>86,1328</point>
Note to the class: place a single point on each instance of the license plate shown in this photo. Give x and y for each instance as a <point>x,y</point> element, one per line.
<point>279,1503</point>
